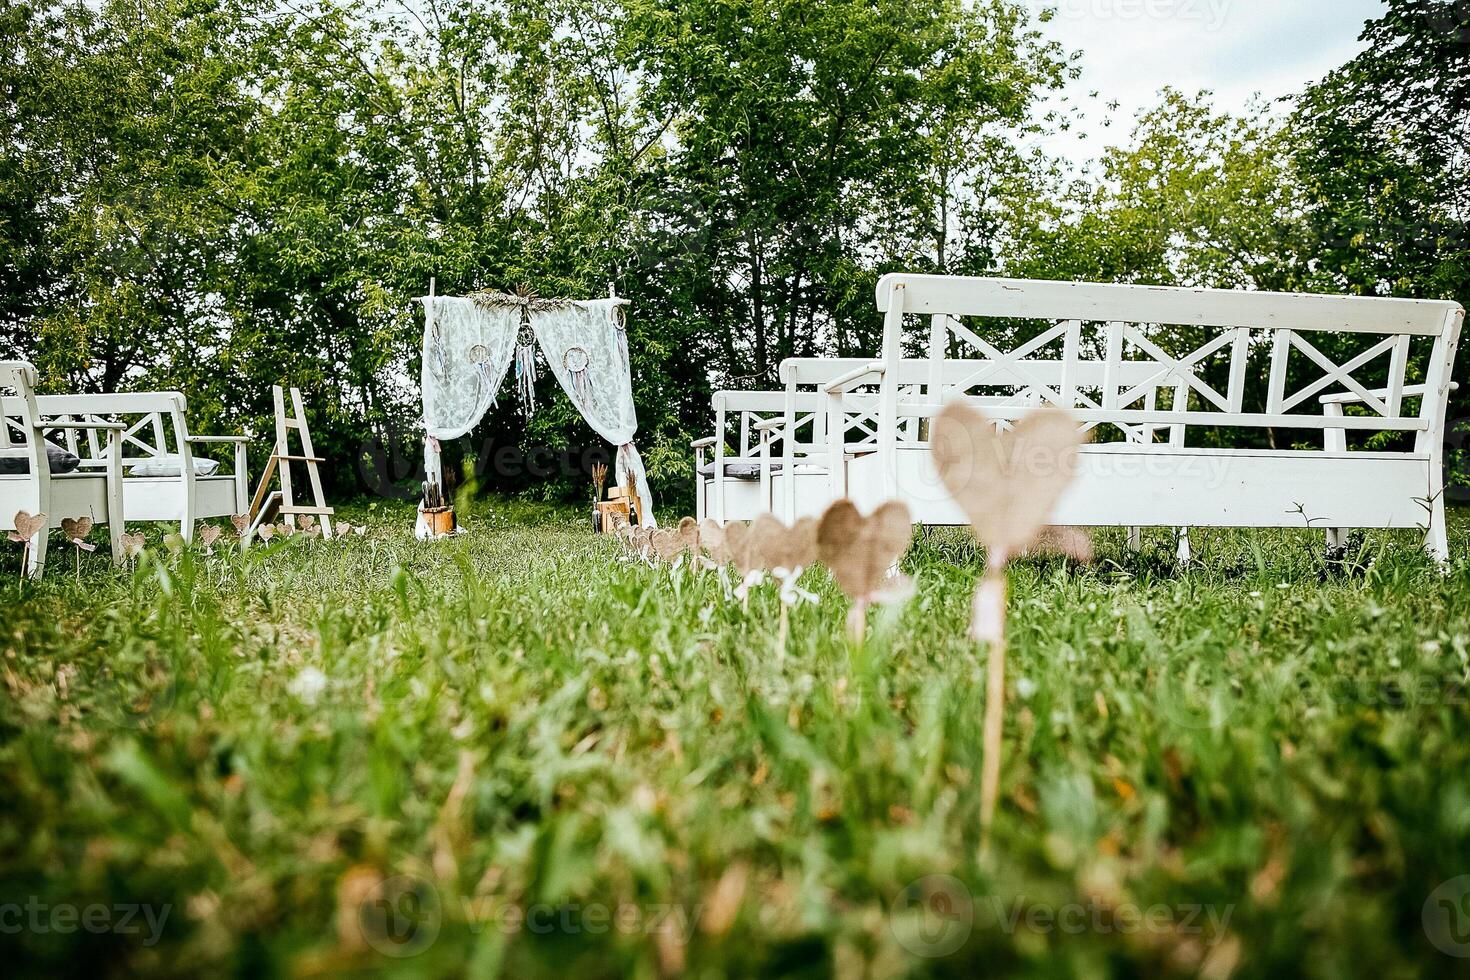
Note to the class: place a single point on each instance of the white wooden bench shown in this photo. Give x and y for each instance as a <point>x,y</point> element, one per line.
<point>162,478</point>
<point>1181,464</point>
<point>785,441</point>
<point>83,493</point>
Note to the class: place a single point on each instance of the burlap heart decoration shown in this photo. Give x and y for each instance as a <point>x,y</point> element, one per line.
<point>208,535</point>
<point>241,523</point>
<point>1069,542</point>
<point>741,545</point>
<point>712,540</point>
<point>266,531</point>
<point>764,536</point>
<point>667,544</point>
<point>1007,483</point>
<point>689,533</point>
<point>27,525</point>
<point>860,550</point>
<point>75,529</point>
<point>784,549</point>
<point>132,544</point>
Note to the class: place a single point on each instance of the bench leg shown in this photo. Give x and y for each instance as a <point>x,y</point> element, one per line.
<point>1182,546</point>
<point>1336,538</point>
<point>1437,542</point>
<point>1135,539</point>
<point>186,524</point>
<point>36,555</point>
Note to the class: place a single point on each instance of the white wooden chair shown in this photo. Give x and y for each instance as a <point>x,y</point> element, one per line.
<point>1156,466</point>
<point>162,478</point>
<point>85,493</point>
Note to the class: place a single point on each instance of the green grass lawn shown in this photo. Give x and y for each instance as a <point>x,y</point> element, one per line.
<point>512,753</point>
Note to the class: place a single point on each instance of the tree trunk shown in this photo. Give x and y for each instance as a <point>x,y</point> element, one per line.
<point>757,303</point>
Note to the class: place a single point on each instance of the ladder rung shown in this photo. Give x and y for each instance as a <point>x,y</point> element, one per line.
<point>298,459</point>
<point>323,511</point>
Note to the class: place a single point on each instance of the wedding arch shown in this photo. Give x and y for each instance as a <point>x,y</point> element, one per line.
<point>471,343</point>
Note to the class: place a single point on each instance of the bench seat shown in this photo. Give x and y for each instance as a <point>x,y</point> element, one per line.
<point>1121,486</point>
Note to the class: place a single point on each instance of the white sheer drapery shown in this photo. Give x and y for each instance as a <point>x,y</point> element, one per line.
<point>469,346</point>
<point>467,350</point>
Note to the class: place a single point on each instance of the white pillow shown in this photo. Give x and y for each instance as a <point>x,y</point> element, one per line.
<point>170,466</point>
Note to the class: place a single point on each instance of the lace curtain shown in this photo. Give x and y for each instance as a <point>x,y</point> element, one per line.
<point>585,346</point>
<point>467,350</point>
<point>469,346</point>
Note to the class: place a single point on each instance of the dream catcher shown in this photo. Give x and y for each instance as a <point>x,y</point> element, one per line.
<point>479,356</point>
<point>576,361</point>
<point>526,366</point>
<point>620,325</point>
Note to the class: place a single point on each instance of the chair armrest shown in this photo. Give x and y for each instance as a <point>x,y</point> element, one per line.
<point>99,426</point>
<point>220,439</point>
<point>766,425</point>
<point>848,380</point>
<point>704,443</point>
<point>1353,398</point>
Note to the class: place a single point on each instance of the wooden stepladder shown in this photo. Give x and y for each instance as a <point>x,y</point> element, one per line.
<point>283,501</point>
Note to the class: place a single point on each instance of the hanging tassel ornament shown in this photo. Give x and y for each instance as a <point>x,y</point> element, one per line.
<point>576,361</point>
<point>526,369</point>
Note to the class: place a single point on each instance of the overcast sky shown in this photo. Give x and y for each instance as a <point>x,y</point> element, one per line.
<point>1237,48</point>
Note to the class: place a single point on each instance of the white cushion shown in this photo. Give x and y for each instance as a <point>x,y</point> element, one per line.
<point>170,466</point>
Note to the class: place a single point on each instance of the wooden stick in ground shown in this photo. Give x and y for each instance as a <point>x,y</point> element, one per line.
<point>857,621</point>
<point>988,627</point>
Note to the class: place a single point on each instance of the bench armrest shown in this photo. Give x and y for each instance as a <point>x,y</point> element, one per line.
<point>220,439</point>
<point>1353,398</point>
<point>704,443</point>
<point>766,425</point>
<point>99,426</point>
<point>850,379</point>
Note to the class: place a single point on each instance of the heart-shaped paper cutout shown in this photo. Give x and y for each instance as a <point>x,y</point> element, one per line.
<point>208,535</point>
<point>266,531</point>
<point>285,529</point>
<point>741,546</point>
<point>859,550</point>
<point>1069,542</point>
<point>666,543</point>
<point>712,540</point>
<point>689,534</point>
<point>241,523</point>
<point>132,544</point>
<point>76,530</point>
<point>1006,483</point>
<point>785,549</point>
<point>305,521</point>
<point>765,535</point>
<point>27,525</point>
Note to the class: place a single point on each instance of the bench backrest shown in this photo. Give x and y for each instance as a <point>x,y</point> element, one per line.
<point>19,436</point>
<point>1092,341</point>
<point>155,423</point>
<point>805,397</point>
